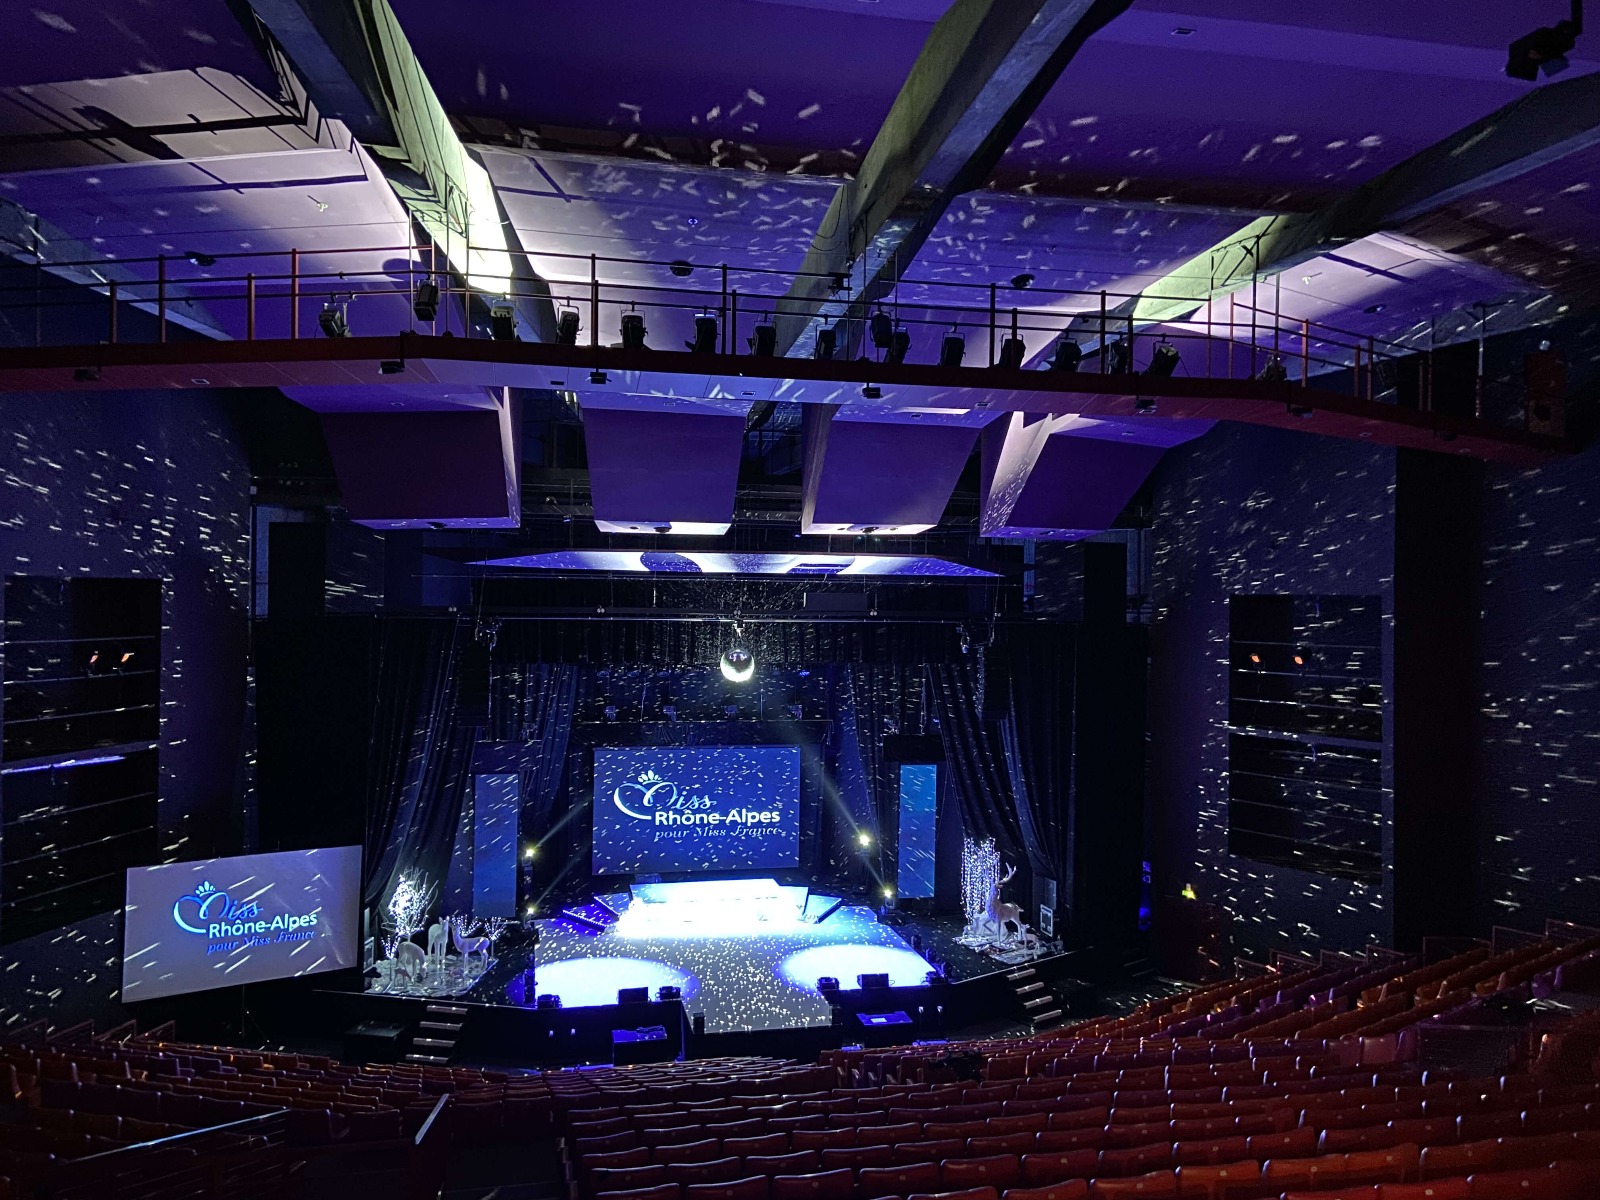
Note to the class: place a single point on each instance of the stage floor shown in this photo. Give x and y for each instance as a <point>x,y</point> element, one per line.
<point>747,963</point>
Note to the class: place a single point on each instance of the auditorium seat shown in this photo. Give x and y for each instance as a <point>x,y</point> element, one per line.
<point>665,1191</point>
<point>897,1181</point>
<point>1162,1185</point>
<point>815,1185</point>
<point>1072,1189</point>
<point>973,1193</point>
<point>999,1171</point>
<point>755,1187</point>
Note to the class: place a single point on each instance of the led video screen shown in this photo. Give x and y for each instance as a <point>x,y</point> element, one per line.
<point>706,808</point>
<point>221,922</point>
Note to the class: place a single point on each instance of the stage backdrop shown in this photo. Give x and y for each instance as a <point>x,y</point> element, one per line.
<point>676,808</point>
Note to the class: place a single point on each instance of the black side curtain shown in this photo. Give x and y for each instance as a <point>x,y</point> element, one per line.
<point>1039,738</point>
<point>550,705</point>
<point>419,754</point>
<point>975,758</point>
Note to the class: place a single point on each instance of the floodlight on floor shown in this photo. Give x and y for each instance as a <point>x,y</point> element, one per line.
<point>899,345</point>
<point>1164,360</point>
<point>633,331</point>
<point>952,350</point>
<point>1117,358</point>
<point>827,343</point>
<point>333,321</point>
<point>503,323</point>
<point>425,301</point>
<point>1012,351</point>
<point>764,340</point>
<point>1068,354</point>
<point>705,335</point>
<point>567,327</point>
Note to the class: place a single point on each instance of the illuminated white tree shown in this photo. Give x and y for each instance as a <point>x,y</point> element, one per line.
<point>980,870</point>
<point>493,927</point>
<point>406,914</point>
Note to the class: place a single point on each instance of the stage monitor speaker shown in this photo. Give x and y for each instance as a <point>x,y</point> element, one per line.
<point>698,1024</point>
<point>879,979</point>
<point>668,991</point>
<point>548,1000</point>
<point>633,995</point>
<point>827,985</point>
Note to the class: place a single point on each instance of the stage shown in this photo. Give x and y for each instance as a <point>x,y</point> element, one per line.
<point>747,953</point>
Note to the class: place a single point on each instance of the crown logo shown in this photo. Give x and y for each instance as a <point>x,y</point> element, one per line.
<point>650,777</point>
<point>205,889</point>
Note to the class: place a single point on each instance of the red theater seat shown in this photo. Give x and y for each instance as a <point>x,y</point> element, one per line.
<point>755,1187</point>
<point>977,1193</point>
<point>1040,1169</point>
<point>818,1185</point>
<point>1208,1182</point>
<point>766,1143</point>
<point>1541,1184</point>
<point>701,1151</point>
<point>897,1181</point>
<point>1438,1189</point>
<point>626,1179</point>
<point>999,1171</point>
<point>665,1191</point>
<point>718,1170</point>
<point>855,1158</point>
<point>1072,1189</point>
<point>796,1162</point>
<point>1162,1185</point>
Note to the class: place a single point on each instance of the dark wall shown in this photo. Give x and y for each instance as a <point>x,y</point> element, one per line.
<point>1539,733</point>
<point>152,485</point>
<point>1249,511</point>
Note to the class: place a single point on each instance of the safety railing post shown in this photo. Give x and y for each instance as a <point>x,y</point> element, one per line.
<point>1372,364</point>
<point>111,292</point>
<point>250,307</point>
<point>1104,356</point>
<point>733,321</point>
<point>1305,353</point>
<point>722,309</point>
<point>1355,374</point>
<point>594,302</point>
<point>993,301</point>
<point>294,293</point>
<point>161,297</point>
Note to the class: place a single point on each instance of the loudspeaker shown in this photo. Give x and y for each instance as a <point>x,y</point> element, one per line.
<point>1545,399</point>
<point>548,1000</point>
<point>633,995</point>
<point>698,1024</point>
<point>878,980</point>
<point>669,991</point>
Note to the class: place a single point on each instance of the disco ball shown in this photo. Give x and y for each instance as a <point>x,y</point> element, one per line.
<point>738,665</point>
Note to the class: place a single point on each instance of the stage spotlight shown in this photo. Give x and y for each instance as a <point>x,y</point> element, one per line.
<point>764,340</point>
<point>882,330</point>
<point>1274,371</point>
<point>863,839</point>
<point>827,343</point>
<point>567,327</point>
<point>888,893</point>
<point>200,258</point>
<point>827,984</point>
<point>901,343</point>
<point>682,268</point>
<point>392,366</point>
<point>1022,282</point>
<point>633,331</point>
<point>333,321</point>
<point>531,852</point>
<point>1068,354</point>
<point>1117,358</point>
<point>1144,404</point>
<point>548,1000</point>
<point>503,323</point>
<point>669,991</point>
<point>425,303</point>
<point>1012,352</point>
<point>1544,51</point>
<point>705,335</point>
<point>952,350</point>
<point>738,665</point>
<point>1164,360</point>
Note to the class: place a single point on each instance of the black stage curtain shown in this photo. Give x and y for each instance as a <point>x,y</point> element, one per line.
<point>550,706</point>
<point>975,758</point>
<point>419,754</point>
<point>1038,737</point>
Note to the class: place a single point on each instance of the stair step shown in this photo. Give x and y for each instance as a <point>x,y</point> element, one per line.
<point>435,1043</point>
<point>445,1026</point>
<point>1053,1015</point>
<point>454,1010</point>
<point>1038,1002</point>
<point>1024,973</point>
<point>1036,986</point>
<point>433,1060</point>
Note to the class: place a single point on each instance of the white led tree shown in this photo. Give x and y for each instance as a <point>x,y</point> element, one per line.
<point>980,872</point>
<point>406,914</point>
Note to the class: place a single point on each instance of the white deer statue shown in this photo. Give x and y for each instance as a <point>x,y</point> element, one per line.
<point>998,912</point>
<point>437,940</point>
<point>409,960</point>
<point>468,946</point>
